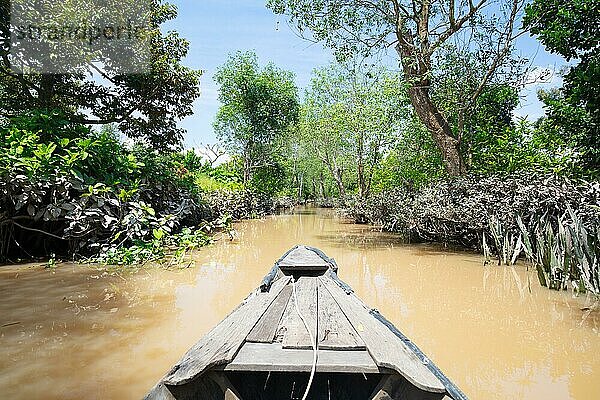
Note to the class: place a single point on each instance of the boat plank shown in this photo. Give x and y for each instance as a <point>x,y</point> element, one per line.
<point>296,335</point>
<point>229,391</point>
<point>385,347</point>
<point>160,392</point>
<point>222,343</point>
<point>335,331</point>
<point>273,357</point>
<point>266,328</point>
<point>303,257</point>
<point>395,387</point>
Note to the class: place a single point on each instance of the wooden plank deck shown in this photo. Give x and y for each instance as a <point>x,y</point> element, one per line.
<point>302,258</point>
<point>335,331</point>
<point>266,327</point>
<point>273,357</point>
<point>266,333</point>
<point>296,336</point>
<point>220,345</point>
<point>382,344</point>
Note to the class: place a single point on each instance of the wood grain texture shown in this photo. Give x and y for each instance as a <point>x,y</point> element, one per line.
<point>265,329</point>
<point>385,347</point>
<point>335,331</point>
<point>160,392</point>
<point>220,345</point>
<point>395,387</point>
<point>296,335</point>
<point>304,258</point>
<point>273,357</point>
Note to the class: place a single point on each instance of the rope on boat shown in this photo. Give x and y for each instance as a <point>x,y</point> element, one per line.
<point>313,341</point>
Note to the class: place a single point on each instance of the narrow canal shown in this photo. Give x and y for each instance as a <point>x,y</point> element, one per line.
<point>82,333</point>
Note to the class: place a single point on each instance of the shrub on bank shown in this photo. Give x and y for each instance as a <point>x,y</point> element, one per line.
<point>243,204</point>
<point>497,214</point>
<point>80,193</point>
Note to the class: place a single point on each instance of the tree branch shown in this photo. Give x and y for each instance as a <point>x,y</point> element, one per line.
<point>455,27</point>
<point>503,49</point>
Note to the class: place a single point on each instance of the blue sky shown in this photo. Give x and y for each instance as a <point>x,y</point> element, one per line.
<point>217,28</point>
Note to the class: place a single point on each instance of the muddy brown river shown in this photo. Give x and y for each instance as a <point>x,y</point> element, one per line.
<point>79,332</point>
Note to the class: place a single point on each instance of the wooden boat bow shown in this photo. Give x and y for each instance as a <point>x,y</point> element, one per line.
<point>266,335</point>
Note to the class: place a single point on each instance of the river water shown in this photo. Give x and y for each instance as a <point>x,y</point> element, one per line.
<point>78,332</point>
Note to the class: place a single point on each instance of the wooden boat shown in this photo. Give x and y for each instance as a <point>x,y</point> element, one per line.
<point>304,328</point>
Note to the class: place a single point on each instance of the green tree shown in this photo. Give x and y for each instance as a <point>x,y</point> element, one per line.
<point>413,159</point>
<point>417,30</point>
<point>351,116</point>
<point>571,28</point>
<point>96,91</point>
<point>457,74</point>
<point>259,105</point>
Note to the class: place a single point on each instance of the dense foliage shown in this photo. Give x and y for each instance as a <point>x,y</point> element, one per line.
<point>482,33</point>
<point>146,106</point>
<point>554,220</point>
<point>571,29</point>
<point>71,191</point>
<point>385,144</point>
<point>349,121</point>
<point>258,107</point>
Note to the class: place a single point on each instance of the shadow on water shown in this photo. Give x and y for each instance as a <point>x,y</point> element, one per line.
<point>361,240</point>
<point>303,211</point>
<point>371,238</point>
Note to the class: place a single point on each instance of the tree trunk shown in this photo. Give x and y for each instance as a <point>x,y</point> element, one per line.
<point>416,71</point>
<point>300,186</point>
<point>247,168</point>
<point>46,92</point>
<point>336,173</point>
<point>338,179</point>
<point>439,128</point>
<point>360,168</point>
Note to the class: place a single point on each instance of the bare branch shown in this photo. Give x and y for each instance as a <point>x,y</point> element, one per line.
<point>455,27</point>
<point>504,48</point>
<point>212,152</point>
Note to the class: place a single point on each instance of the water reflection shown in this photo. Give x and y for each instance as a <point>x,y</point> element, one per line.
<point>77,332</point>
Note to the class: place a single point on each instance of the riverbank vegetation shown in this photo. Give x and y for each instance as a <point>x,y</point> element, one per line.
<point>69,190</point>
<point>439,155</point>
<point>433,150</point>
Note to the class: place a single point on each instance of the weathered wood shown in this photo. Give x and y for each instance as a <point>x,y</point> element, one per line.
<point>242,343</point>
<point>229,391</point>
<point>394,387</point>
<point>335,331</point>
<point>382,344</point>
<point>453,391</point>
<point>296,335</point>
<point>273,357</point>
<point>264,331</point>
<point>205,387</point>
<point>221,344</point>
<point>303,258</point>
<point>160,392</point>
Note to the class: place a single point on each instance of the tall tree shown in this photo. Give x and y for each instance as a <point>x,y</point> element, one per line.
<point>571,28</point>
<point>416,29</point>
<point>350,117</point>
<point>94,89</point>
<point>258,106</point>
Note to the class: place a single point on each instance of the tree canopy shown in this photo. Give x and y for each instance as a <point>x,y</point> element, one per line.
<point>95,91</point>
<point>258,106</point>
<point>417,30</point>
<point>350,118</point>
<point>571,29</point>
